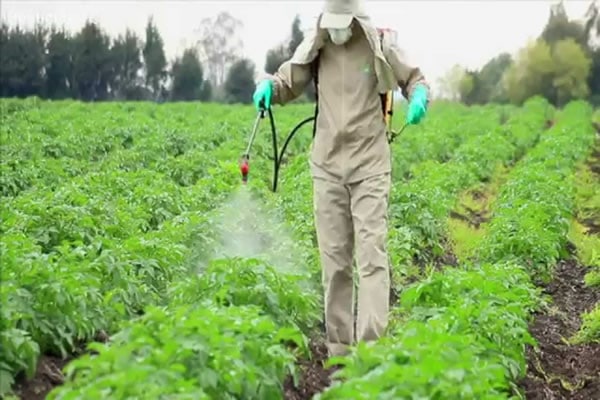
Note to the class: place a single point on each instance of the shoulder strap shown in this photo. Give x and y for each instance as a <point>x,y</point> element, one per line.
<point>387,101</point>
<point>384,95</point>
<point>315,74</point>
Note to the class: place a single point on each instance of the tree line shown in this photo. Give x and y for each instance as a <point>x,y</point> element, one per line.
<point>562,64</point>
<point>50,62</point>
<point>89,65</point>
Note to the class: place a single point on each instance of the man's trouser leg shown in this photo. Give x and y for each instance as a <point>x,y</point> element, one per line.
<point>369,200</point>
<point>333,220</point>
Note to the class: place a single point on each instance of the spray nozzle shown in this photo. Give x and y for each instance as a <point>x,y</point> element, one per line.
<point>244,167</point>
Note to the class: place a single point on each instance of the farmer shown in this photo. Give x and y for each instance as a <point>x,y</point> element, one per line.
<point>350,159</point>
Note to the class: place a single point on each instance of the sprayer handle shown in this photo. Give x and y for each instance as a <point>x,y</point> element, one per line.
<point>262,109</point>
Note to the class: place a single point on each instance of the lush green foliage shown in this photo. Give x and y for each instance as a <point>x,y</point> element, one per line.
<point>102,213</point>
<point>112,217</point>
<point>590,327</point>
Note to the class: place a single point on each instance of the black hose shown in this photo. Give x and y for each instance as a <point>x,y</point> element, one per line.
<point>278,157</point>
<point>275,155</point>
<point>285,145</point>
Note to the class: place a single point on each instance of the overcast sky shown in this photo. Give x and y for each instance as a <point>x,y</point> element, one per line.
<point>434,34</point>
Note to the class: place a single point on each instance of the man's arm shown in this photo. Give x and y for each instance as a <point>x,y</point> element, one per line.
<point>289,81</point>
<point>406,75</point>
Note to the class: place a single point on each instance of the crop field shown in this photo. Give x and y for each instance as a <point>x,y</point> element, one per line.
<point>135,264</point>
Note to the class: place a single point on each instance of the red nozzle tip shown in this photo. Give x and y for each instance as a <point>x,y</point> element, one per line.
<point>244,168</point>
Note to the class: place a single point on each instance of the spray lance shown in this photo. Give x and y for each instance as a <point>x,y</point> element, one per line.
<point>245,160</point>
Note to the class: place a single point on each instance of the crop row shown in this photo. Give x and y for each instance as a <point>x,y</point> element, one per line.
<point>44,144</point>
<point>96,230</point>
<point>222,285</point>
<point>461,332</point>
<point>99,267</point>
<point>85,248</point>
<point>420,206</point>
<point>249,303</point>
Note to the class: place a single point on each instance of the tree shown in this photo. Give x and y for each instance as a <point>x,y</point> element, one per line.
<point>531,73</point>
<point>154,59</point>
<point>218,45</point>
<point>276,57</point>
<point>92,70</point>
<point>571,71</point>
<point>584,33</point>
<point>466,85</point>
<point>22,61</point>
<point>559,73</point>
<point>239,85</point>
<point>297,36</point>
<point>490,78</point>
<point>559,27</point>
<point>592,35</point>
<point>127,64</point>
<point>59,65</point>
<point>450,83</point>
<point>187,77</point>
<point>591,26</point>
<point>206,93</point>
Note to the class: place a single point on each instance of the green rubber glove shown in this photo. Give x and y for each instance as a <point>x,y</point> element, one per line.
<point>262,94</point>
<point>418,105</point>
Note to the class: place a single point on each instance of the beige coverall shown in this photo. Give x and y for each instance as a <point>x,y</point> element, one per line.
<point>351,167</point>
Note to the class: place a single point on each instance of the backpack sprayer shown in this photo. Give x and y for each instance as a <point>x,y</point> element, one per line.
<point>387,104</point>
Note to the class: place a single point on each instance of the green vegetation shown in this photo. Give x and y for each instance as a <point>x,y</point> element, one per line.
<point>111,225</point>
<point>590,327</point>
<point>130,248</point>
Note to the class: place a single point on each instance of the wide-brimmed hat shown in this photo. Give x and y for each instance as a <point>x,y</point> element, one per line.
<point>338,14</point>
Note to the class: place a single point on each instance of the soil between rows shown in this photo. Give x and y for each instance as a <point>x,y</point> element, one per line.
<point>559,370</point>
<point>314,377</point>
<point>48,375</point>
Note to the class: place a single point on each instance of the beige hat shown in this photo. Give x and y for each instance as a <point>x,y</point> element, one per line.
<point>338,14</point>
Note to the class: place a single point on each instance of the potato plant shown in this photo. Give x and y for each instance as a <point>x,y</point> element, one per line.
<point>110,220</point>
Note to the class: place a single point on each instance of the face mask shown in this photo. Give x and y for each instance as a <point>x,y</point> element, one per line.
<point>340,36</point>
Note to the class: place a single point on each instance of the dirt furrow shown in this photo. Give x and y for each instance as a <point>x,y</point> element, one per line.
<point>559,370</point>
<point>314,377</point>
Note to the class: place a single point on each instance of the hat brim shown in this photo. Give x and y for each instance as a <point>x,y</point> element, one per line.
<point>335,21</point>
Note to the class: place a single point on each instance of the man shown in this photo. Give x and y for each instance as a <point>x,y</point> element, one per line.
<point>350,159</point>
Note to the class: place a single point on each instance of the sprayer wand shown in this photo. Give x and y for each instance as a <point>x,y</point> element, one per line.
<point>245,160</point>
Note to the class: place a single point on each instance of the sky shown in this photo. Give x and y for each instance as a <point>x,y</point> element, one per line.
<point>434,34</point>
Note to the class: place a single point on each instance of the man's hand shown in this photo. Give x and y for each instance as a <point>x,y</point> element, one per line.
<point>418,105</point>
<point>262,94</point>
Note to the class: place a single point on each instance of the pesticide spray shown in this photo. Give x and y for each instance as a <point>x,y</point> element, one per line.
<point>245,227</point>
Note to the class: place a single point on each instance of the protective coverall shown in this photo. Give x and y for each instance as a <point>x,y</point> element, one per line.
<point>350,159</point>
